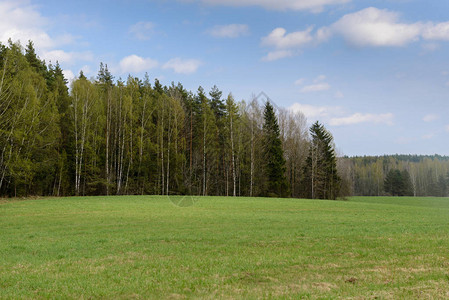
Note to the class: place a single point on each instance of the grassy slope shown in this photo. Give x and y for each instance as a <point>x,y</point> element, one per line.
<point>145,247</point>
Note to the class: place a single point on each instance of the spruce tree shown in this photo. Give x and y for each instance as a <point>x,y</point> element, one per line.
<point>407,187</point>
<point>276,181</point>
<point>34,61</point>
<point>320,178</point>
<point>394,183</point>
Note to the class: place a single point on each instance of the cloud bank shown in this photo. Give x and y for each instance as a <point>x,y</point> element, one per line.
<point>335,115</point>
<point>369,27</point>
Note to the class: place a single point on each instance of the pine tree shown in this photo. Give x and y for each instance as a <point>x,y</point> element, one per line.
<point>276,184</point>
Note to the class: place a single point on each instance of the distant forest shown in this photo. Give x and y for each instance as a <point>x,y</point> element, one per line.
<point>428,175</point>
<point>107,136</point>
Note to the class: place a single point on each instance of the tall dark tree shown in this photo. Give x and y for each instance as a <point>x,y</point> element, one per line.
<point>441,186</point>
<point>219,109</point>
<point>393,183</point>
<point>276,181</point>
<point>407,187</point>
<point>320,177</point>
<point>34,61</point>
<point>216,102</point>
<point>57,85</point>
<point>398,183</point>
<point>106,88</point>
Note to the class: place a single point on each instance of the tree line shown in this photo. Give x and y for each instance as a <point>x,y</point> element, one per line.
<point>107,136</point>
<point>398,175</point>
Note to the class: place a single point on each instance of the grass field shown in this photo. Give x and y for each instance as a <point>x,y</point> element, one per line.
<point>146,247</point>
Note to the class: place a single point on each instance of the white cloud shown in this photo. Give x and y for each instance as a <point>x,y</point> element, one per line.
<point>142,30</point>
<point>335,115</point>
<point>182,66</point>
<point>316,87</point>
<point>311,5</point>
<point>313,112</point>
<point>136,64</point>
<point>358,118</point>
<point>439,31</point>
<point>380,27</point>
<point>280,40</point>
<point>430,118</point>
<point>300,81</point>
<point>68,58</point>
<point>229,31</point>
<point>376,27</point>
<point>323,34</point>
<point>369,27</point>
<point>19,20</point>
<point>288,44</point>
<point>277,54</point>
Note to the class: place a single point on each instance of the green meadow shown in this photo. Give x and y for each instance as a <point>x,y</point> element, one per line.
<point>147,247</point>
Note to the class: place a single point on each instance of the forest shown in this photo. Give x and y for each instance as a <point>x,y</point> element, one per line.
<point>108,136</point>
<point>425,175</point>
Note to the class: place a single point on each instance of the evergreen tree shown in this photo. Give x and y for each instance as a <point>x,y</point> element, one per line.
<point>58,90</point>
<point>104,76</point>
<point>216,103</point>
<point>220,111</point>
<point>398,183</point>
<point>34,61</point>
<point>81,75</point>
<point>407,188</point>
<point>320,178</point>
<point>276,184</point>
<point>230,147</point>
<point>442,187</point>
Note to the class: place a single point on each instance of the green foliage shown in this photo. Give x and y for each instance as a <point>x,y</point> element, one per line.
<point>277,184</point>
<point>428,174</point>
<point>321,180</point>
<point>398,183</point>
<point>28,125</point>
<point>38,65</point>
<point>108,136</point>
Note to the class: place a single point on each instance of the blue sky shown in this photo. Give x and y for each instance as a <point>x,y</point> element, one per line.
<point>376,73</point>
